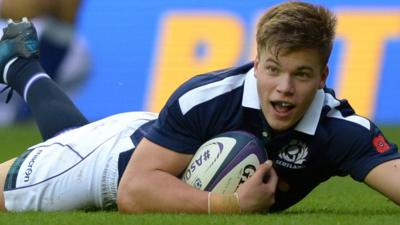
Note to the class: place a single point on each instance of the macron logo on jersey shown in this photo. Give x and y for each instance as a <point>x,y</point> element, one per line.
<point>29,168</point>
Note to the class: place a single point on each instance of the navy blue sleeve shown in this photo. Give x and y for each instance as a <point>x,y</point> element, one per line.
<point>175,131</point>
<point>199,109</point>
<point>361,150</point>
<point>184,132</point>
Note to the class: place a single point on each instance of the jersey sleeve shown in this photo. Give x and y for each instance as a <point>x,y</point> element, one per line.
<point>175,131</point>
<point>184,130</point>
<point>361,150</point>
<point>199,109</point>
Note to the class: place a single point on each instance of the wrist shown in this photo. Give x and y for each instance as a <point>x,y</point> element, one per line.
<point>223,203</point>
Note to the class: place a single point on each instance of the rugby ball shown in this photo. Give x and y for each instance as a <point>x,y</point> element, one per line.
<point>224,162</point>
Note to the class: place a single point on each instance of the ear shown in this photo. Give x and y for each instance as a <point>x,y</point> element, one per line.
<point>256,63</point>
<point>324,77</point>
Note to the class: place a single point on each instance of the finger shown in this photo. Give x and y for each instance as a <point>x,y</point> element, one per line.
<point>262,170</point>
<point>266,177</point>
<point>268,163</point>
<point>273,177</point>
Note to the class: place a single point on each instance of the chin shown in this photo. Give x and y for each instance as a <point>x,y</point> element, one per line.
<point>279,126</point>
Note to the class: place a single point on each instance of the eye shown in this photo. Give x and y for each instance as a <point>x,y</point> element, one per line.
<point>303,75</point>
<point>272,70</point>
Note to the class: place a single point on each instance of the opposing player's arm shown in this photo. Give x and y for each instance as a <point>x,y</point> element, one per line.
<point>150,184</point>
<point>385,178</point>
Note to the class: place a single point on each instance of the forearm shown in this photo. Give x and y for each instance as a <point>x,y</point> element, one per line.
<point>150,183</point>
<point>385,178</point>
<point>161,192</point>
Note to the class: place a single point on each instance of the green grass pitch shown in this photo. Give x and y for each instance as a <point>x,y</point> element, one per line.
<point>338,201</point>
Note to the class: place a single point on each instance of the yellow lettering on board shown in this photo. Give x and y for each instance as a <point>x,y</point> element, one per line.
<point>365,34</point>
<point>220,36</point>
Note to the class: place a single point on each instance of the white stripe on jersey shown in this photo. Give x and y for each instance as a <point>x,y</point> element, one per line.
<point>334,113</point>
<point>209,91</point>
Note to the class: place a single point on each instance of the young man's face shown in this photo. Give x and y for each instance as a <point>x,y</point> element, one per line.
<point>287,84</point>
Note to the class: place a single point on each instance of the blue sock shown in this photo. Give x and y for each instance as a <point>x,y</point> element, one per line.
<point>51,107</point>
<point>52,55</point>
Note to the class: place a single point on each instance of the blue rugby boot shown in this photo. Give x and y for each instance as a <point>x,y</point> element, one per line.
<point>19,40</point>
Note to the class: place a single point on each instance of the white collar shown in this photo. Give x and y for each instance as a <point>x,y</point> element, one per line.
<point>308,124</point>
<point>250,95</point>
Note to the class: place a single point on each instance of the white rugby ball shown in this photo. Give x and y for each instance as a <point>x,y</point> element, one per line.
<point>224,162</point>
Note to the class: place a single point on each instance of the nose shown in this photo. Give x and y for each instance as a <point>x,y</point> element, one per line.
<point>285,85</point>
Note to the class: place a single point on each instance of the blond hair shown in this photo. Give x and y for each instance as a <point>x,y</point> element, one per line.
<point>297,25</point>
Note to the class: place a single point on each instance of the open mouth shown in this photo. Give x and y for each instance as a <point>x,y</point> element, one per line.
<point>282,106</point>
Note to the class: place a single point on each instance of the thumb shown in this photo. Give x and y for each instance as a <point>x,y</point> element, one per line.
<point>268,163</point>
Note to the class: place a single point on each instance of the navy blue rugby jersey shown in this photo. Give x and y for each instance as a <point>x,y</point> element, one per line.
<point>330,139</point>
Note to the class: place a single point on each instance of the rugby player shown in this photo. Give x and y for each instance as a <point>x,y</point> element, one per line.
<point>133,161</point>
